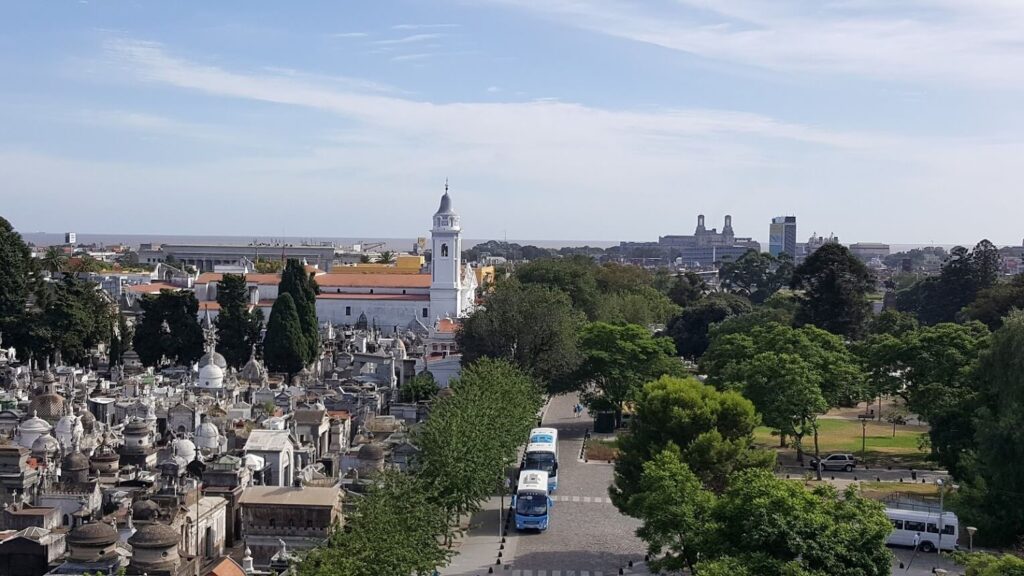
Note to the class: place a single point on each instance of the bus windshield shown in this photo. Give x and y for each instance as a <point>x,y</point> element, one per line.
<point>531,504</point>
<point>540,461</point>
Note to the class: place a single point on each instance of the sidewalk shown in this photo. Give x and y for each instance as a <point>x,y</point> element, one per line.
<point>478,549</point>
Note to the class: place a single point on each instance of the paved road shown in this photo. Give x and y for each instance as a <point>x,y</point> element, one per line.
<point>587,533</point>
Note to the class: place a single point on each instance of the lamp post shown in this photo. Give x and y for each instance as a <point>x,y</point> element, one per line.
<point>942,510</point>
<point>970,531</point>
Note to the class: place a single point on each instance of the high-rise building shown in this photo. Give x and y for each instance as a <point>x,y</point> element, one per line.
<point>782,236</point>
<point>70,238</point>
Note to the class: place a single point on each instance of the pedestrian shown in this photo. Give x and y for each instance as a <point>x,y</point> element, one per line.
<point>578,409</point>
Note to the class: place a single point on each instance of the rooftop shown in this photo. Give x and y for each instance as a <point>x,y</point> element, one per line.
<point>373,280</point>
<point>399,297</point>
<point>287,496</point>
<point>269,440</point>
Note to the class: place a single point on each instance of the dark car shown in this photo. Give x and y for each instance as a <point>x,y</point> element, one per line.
<point>835,462</point>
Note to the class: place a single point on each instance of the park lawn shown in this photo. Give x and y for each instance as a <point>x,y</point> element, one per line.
<point>839,435</point>
<point>882,490</point>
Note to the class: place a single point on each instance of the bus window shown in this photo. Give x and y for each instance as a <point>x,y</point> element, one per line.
<point>949,530</point>
<point>913,526</point>
<point>897,524</point>
<point>932,528</point>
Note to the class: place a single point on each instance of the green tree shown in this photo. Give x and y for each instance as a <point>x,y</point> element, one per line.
<point>675,509</point>
<point>964,275</point>
<point>687,288</point>
<point>992,493</point>
<point>618,360</point>
<point>120,340</point>
<point>786,390</point>
<point>756,275</point>
<point>575,276</point>
<point>238,327</point>
<point>169,328</point>
<point>76,319</point>
<point>420,387</point>
<point>644,306</point>
<point>532,326</point>
<point>689,330</point>
<point>893,323</point>
<point>985,564</point>
<point>15,281</point>
<point>713,430</point>
<point>266,266</point>
<point>995,302</point>
<point>834,285</point>
<point>302,288</point>
<point>386,257</point>
<point>53,260</point>
<point>395,530</point>
<point>284,347</point>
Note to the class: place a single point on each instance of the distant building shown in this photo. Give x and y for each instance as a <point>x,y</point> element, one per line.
<point>868,250</point>
<point>782,236</point>
<point>70,238</point>
<point>703,248</point>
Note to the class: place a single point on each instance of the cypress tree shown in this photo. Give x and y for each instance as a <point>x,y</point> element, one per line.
<point>238,328</point>
<point>284,346</point>
<point>301,287</point>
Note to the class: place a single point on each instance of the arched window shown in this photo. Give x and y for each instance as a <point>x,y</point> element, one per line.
<point>444,250</point>
<point>67,520</point>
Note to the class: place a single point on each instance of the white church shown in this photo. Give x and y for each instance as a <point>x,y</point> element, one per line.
<point>392,299</point>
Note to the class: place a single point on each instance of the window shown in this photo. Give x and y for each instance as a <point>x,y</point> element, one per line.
<point>949,530</point>
<point>932,528</point>
<point>444,250</point>
<point>348,310</point>
<point>403,291</point>
<point>897,524</point>
<point>913,526</point>
<point>425,313</point>
<point>273,522</point>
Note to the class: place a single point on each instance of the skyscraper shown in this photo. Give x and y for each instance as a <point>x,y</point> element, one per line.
<point>782,236</point>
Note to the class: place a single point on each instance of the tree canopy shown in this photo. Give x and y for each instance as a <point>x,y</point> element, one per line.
<point>689,330</point>
<point>533,326</point>
<point>285,348</point>
<point>713,431</point>
<point>756,275</point>
<point>964,275</point>
<point>238,328</point>
<point>302,288</point>
<point>169,328</point>
<point>833,285</point>
<point>995,302</point>
<point>16,263</point>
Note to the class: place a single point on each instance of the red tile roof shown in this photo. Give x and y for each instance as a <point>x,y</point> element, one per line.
<point>364,296</point>
<point>209,305</point>
<point>374,280</point>
<point>226,567</point>
<point>153,288</point>
<point>447,326</point>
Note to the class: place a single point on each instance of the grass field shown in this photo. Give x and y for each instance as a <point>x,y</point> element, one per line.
<point>880,490</point>
<point>836,435</point>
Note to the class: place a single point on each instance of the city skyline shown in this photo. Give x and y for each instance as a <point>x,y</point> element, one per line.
<point>591,120</point>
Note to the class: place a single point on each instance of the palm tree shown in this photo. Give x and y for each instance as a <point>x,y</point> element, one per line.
<point>54,260</point>
<point>386,257</point>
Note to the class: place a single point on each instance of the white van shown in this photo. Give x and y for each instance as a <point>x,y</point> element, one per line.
<point>924,530</point>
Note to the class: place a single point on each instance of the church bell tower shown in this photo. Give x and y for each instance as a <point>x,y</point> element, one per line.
<point>445,261</point>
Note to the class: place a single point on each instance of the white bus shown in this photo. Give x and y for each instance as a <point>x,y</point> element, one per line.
<point>531,502</point>
<point>542,454</point>
<point>927,531</point>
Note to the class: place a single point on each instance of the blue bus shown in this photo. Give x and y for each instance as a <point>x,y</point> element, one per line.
<point>532,502</point>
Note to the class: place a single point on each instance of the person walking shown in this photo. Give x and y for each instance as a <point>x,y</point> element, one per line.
<point>577,410</point>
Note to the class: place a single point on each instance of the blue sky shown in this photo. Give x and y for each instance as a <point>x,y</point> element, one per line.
<point>558,119</point>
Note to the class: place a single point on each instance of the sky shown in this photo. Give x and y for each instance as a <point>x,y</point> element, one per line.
<point>877,120</point>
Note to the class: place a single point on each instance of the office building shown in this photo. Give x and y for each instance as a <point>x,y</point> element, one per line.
<point>782,236</point>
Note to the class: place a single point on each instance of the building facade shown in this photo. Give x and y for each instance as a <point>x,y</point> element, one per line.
<point>782,236</point>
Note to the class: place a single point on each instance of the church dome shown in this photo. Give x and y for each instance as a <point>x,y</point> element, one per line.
<point>136,428</point>
<point>214,358</point>
<point>75,461</point>
<point>154,535</point>
<point>145,510</point>
<point>211,376</point>
<point>207,435</point>
<point>93,534</point>
<point>49,407</point>
<point>45,446</point>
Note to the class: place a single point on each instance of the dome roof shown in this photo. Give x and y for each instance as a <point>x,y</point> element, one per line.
<point>184,448</point>
<point>87,418</point>
<point>75,460</point>
<point>67,424</point>
<point>211,375</point>
<point>45,444</point>
<point>253,371</point>
<point>214,358</point>
<point>35,424</point>
<point>207,430</point>
<point>49,407</point>
<point>93,534</point>
<point>154,535</point>
<point>145,510</point>
<point>370,451</point>
<point>446,204</point>
<point>137,427</point>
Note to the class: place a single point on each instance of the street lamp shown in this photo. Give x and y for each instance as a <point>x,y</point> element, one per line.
<point>971,530</point>
<point>942,510</point>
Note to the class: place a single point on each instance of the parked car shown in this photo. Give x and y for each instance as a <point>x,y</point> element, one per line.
<point>835,462</point>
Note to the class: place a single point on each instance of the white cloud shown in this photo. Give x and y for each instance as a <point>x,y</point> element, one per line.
<point>411,39</point>
<point>350,35</point>
<point>946,41</point>
<point>411,57</point>
<point>423,26</point>
<point>493,89</point>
